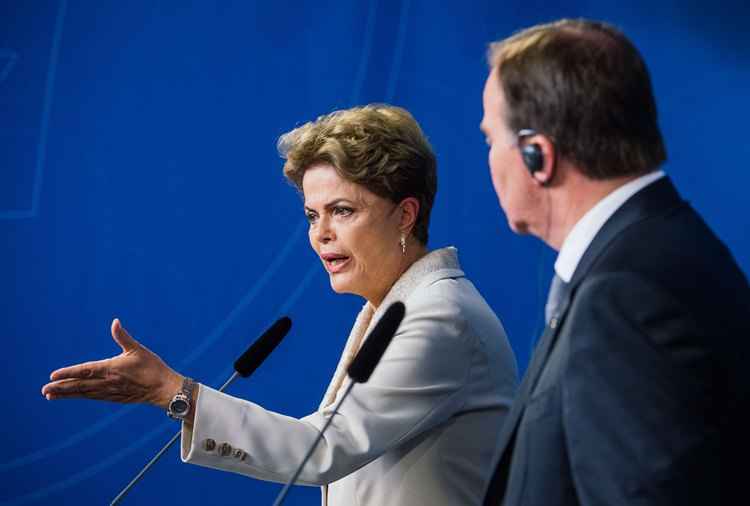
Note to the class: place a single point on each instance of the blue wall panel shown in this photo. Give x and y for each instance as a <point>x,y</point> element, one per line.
<point>139,179</point>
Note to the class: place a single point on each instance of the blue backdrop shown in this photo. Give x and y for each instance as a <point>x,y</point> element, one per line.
<point>139,179</point>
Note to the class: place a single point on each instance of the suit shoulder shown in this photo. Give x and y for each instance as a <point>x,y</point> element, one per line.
<point>670,244</point>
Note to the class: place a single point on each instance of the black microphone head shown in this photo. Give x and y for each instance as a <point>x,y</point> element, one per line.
<point>262,347</point>
<point>374,346</point>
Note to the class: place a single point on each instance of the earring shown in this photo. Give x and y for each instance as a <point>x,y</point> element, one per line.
<point>402,242</point>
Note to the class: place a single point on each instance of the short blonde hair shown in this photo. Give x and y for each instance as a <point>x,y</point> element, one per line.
<point>378,146</point>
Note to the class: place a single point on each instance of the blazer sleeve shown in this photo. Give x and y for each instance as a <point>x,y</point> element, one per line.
<point>417,385</point>
<point>636,396</point>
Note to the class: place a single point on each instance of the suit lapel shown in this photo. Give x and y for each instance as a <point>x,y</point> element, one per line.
<point>657,198</point>
<point>539,358</point>
<point>496,489</point>
<point>643,204</point>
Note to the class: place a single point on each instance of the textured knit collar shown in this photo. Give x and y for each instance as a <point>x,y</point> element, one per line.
<point>438,264</point>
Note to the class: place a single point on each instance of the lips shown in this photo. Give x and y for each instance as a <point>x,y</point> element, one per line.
<point>334,262</point>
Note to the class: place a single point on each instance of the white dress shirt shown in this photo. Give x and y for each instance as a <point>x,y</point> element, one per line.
<point>585,229</point>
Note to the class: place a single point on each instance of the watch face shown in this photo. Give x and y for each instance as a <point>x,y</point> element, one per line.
<point>179,406</point>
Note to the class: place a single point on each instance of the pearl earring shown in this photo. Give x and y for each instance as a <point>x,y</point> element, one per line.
<point>402,242</point>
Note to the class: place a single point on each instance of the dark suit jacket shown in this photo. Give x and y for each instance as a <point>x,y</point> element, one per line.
<point>637,391</point>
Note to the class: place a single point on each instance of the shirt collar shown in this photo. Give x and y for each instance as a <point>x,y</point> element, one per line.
<point>585,229</point>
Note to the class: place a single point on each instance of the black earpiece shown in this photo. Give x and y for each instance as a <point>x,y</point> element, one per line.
<point>531,154</point>
<point>533,157</point>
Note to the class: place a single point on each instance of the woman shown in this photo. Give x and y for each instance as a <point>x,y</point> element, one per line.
<point>422,430</point>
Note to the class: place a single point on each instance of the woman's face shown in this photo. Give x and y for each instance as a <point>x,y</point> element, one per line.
<point>354,232</point>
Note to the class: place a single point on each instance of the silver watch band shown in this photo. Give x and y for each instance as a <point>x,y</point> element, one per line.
<point>182,402</point>
<point>188,384</point>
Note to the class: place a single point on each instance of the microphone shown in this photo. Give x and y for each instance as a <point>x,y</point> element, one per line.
<point>244,366</point>
<point>258,352</point>
<point>359,371</point>
<point>374,346</point>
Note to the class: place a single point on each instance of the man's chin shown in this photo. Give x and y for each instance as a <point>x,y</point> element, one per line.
<point>519,227</point>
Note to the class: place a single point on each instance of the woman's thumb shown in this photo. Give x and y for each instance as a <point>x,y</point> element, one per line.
<point>121,336</point>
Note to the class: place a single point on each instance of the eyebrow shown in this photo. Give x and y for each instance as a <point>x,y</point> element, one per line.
<point>332,203</point>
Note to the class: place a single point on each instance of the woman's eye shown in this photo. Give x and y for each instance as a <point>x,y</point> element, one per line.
<point>311,217</point>
<point>342,211</point>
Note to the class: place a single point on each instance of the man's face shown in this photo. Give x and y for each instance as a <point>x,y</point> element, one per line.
<point>518,193</point>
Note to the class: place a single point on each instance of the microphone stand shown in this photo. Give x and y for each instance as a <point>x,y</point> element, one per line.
<point>282,495</point>
<point>151,462</point>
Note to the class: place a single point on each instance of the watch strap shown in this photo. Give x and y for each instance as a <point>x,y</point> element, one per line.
<point>185,395</point>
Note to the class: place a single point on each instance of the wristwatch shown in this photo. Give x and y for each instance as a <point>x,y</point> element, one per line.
<point>180,404</point>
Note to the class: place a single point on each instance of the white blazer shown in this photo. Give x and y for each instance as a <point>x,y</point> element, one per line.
<point>421,431</point>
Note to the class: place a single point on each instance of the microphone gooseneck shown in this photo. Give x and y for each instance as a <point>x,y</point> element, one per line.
<point>359,371</point>
<point>243,366</point>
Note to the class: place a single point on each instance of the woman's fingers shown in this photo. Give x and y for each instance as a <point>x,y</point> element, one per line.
<point>63,380</point>
<point>69,388</point>
<point>98,389</point>
<point>96,369</point>
<point>135,375</point>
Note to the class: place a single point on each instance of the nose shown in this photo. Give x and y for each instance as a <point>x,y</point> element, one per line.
<point>324,232</point>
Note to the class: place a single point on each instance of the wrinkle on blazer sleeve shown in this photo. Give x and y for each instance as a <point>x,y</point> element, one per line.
<point>417,385</point>
<point>635,396</point>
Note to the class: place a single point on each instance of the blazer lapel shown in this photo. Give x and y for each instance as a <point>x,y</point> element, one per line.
<point>438,264</point>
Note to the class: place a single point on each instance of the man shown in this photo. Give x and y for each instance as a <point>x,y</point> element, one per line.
<point>638,388</point>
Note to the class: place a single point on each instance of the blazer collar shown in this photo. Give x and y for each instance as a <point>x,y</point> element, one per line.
<point>657,198</point>
<point>438,264</point>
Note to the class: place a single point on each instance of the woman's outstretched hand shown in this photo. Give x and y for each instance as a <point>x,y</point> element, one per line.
<point>136,375</point>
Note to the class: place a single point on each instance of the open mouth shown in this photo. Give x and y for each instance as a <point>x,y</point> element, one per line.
<point>334,262</point>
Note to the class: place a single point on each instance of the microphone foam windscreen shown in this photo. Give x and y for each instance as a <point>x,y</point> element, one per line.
<point>262,347</point>
<point>374,346</point>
